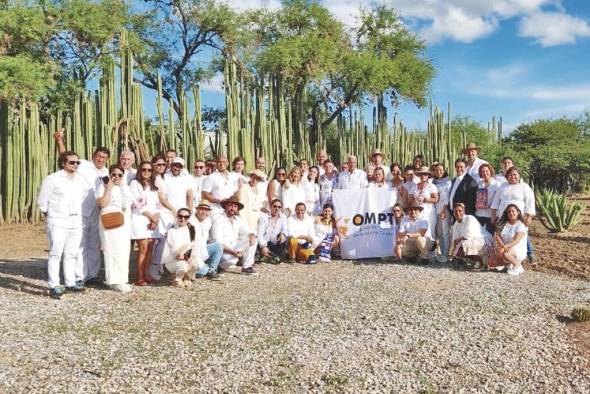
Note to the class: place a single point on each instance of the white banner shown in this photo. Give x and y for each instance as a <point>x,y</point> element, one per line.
<point>365,222</point>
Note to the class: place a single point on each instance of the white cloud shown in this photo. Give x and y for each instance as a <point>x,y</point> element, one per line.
<point>553,28</point>
<point>214,84</point>
<point>459,26</point>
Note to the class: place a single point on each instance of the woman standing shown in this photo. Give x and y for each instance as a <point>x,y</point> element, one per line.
<point>442,230</point>
<point>487,187</point>
<point>156,269</point>
<point>398,217</point>
<point>378,179</point>
<point>275,186</point>
<point>395,176</point>
<point>312,191</point>
<point>511,240</point>
<point>248,195</point>
<point>113,197</point>
<point>146,226</point>
<point>293,191</point>
<point>406,188</point>
<point>425,194</point>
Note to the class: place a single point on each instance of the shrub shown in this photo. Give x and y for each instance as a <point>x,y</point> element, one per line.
<point>555,213</point>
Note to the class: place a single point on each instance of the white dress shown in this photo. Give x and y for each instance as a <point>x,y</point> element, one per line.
<point>292,195</point>
<point>312,198</point>
<point>116,244</point>
<point>477,240</point>
<point>144,199</point>
<point>507,235</point>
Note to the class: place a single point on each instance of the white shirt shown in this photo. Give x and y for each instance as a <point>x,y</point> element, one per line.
<point>473,170</point>
<point>293,194</point>
<point>456,183</point>
<point>519,194</point>
<point>409,226</point>
<point>501,178</point>
<point>468,228</point>
<point>443,187</point>
<point>300,227</point>
<point>197,187</point>
<point>509,232</point>
<point>238,178</point>
<point>221,187</point>
<point>356,180</point>
<point>203,231</point>
<point>229,231</point>
<point>269,230</point>
<point>485,196</point>
<point>93,177</point>
<point>61,198</point>
<point>371,167</point>
<point>121,197</point>
<point>177,188</point>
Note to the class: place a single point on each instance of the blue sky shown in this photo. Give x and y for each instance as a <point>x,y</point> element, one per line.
<point>519,59</point>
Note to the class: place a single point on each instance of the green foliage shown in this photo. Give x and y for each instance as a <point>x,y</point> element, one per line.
<point>23,76</point>
<point>556,214</point>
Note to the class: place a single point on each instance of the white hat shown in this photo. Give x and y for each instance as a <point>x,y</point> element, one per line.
<point>178,160</point>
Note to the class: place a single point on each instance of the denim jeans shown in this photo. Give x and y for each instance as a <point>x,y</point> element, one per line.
<point>215,251</point>
<point>530,252</point>
<point>442,233</point>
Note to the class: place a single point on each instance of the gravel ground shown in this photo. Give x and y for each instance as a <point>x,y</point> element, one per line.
<point>338,327</point>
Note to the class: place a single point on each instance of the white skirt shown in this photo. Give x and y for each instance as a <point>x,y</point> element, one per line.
<point>116,246</point>
<point>139,229</point>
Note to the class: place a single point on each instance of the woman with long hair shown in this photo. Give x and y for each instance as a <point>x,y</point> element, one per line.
<point>405,190</point>
<point>275,186</point>
<point>146,226</point>
<point>511,239</point>
<point>426,195</point>
<point>326,235</point>
<point>293,191</point>
<point>113,197</point>
<point>312,191</point>
<point>248,195</point>
<point>396,178</point>
<point>487,187</point>
<point>441,180</point>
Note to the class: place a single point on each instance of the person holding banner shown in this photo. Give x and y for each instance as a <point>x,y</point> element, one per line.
<point>301,236</point>
<point>414,237</point>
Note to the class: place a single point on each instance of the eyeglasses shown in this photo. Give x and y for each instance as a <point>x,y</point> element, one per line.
<point>74,162</point>
<point>183,217</point>
<point>116,175</point>
<point>146,170</point>
<point>277,206</point>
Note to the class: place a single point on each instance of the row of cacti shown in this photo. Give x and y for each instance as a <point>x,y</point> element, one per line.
<point>263,119</point>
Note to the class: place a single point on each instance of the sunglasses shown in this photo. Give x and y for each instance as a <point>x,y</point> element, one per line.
<point>160,164</point>
<point>185,217</point>
<point>74,162</point>
<point>199,167</point>
<point>277,206</point>
<point>282,174</point>
<point>116,175</point>
<point>146,170</point>
<point>177,165</point>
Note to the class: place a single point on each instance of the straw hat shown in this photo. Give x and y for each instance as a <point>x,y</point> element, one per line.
<point>232,199</point>
<point>376,152</point>
<point>470,146</point>
<point>423,170</point>
<point>204,204</point>
<point>258,174</point>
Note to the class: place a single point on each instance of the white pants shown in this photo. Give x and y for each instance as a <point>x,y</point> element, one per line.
<point>179,268</point>
<point>89,253</point>
<point>243,246</point>
<point>66,242</point>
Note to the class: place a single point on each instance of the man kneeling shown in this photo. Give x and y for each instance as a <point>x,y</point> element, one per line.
<point>414,237</point>
<point>235,236</point>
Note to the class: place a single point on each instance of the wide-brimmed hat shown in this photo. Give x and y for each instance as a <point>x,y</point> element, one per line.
<point>258,174</point>
<point>234,200</point>
<point>470,146</point>
<point>422,170</point>
<point>204,204</point>
<point>414,205</point>
<point>376,152</point>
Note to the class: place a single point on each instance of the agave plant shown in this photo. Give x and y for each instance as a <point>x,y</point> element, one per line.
<point>556,214</point>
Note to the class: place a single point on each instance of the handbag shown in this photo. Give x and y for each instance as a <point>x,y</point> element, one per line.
<point>112,220</point>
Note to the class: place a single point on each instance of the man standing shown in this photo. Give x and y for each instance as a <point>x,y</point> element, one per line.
<point>507,163</point>
<point>218,186</point>
<point>463,189</point>
<point>414,236</point>
<point>126,161</point>
<point>328,182</point>
<point>212,252</point>
<point>235,236</point>
<point>60,201</point>
<point>352,177</point>
<point>179,187</point>
<point>473,162</point>
<point>376,161</point>
<point>198,178</point>
<point>321,159</point>
<point>93,173</point>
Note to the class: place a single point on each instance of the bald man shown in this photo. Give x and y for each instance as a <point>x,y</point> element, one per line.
<point>352,177</point>
<point>126,160</point>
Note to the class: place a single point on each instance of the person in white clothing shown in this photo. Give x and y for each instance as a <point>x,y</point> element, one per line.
<point>405,190</point>
<point>94,172</point>
<point>301,236</point>
<point>352,177</point>
<point>212,251</point>
<point>60,201</point>
<point>293,191</point>
<point>426,195</point>
<point>218,186</point>
<point>487,187</point>
<point>170,155</point>
<point>235,236</point>
<point>114,197</point>
<point>312,191</point>
<point>414,236</point>
<point>237,174</point>
<point>326,234</point>
<point>511,240</point>
<point>156,268</point>
<point>179,187</point>
<point>471,152</point>
<point>328,182</point>
<point>469,238</point>
<point>321,158</point>
<point>275,186</point>
<point>442,230</point>
<point>146,226</point>
<point>183,251</point>
<point>378,179</point>
<point>272,233</point>
<point>198,179</point>
<point>376,162</point>
<point>507,162</point>
<point>260,165</point>
<point>126,161</point>
<point>254,201</point>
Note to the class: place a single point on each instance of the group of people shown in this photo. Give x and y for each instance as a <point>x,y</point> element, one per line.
<point>199,222</point>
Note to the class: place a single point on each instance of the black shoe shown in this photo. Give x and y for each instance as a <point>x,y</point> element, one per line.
<point>93,282</point>
<point>312,260</point>
<point>532,261</point>
<point>424,261</point>
<point>249,271</point>
<point>212,275</point>
<point>56,293</point>
<point>76,289</point>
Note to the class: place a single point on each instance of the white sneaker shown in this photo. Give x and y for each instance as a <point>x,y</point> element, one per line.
<point>124,288</point>
<point>324,259</point>
<point>500,268</point>
<point>515,271</point>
